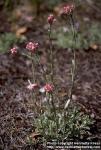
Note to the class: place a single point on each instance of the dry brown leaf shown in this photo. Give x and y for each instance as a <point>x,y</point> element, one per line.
<point>58,10</point>
<point>94,46</point>
<point>21,31</point>
<point>34,136</point>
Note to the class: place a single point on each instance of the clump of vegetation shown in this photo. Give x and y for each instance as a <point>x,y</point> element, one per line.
<point>85,39</point>
<point>75,126</point>
<point>7,40</point>
<point>94,36</point>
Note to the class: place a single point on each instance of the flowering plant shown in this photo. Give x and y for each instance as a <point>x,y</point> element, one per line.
<point>55,122</point>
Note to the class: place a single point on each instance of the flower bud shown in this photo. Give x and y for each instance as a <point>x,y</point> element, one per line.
<point>13,50</point>
<point>51,19</point>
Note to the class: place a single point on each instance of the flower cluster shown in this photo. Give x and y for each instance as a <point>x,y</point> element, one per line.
<point>48,88</point>
<point>14,50</point>
<point>68,9</point>
<point>32,46</point>
<point>51,19</point>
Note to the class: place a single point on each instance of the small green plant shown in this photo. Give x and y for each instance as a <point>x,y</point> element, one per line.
<point>7,40</point>
<point>76,125</point>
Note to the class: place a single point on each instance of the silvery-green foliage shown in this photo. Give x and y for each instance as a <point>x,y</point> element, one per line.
<point>77,124</point>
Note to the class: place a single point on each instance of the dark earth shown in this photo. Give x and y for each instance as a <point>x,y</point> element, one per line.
<point>16,114</point>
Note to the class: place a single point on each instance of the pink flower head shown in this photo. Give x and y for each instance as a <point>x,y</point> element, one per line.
<point>32,86</point>
<point>48,88</point>
<point>51,19</point>
<point>68,9</point>
<point>13,50</point>
<point>32,46</point>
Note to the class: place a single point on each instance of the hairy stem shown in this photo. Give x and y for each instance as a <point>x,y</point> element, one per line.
<point>74,56</point>
<point>33,68</point>
<point>51,56</point>
<point>73,72</point>
<point>51,65</point>
<point>52,75</point>
<point>34,79</point>
<point>42,68</point>
<point>73,69</point>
